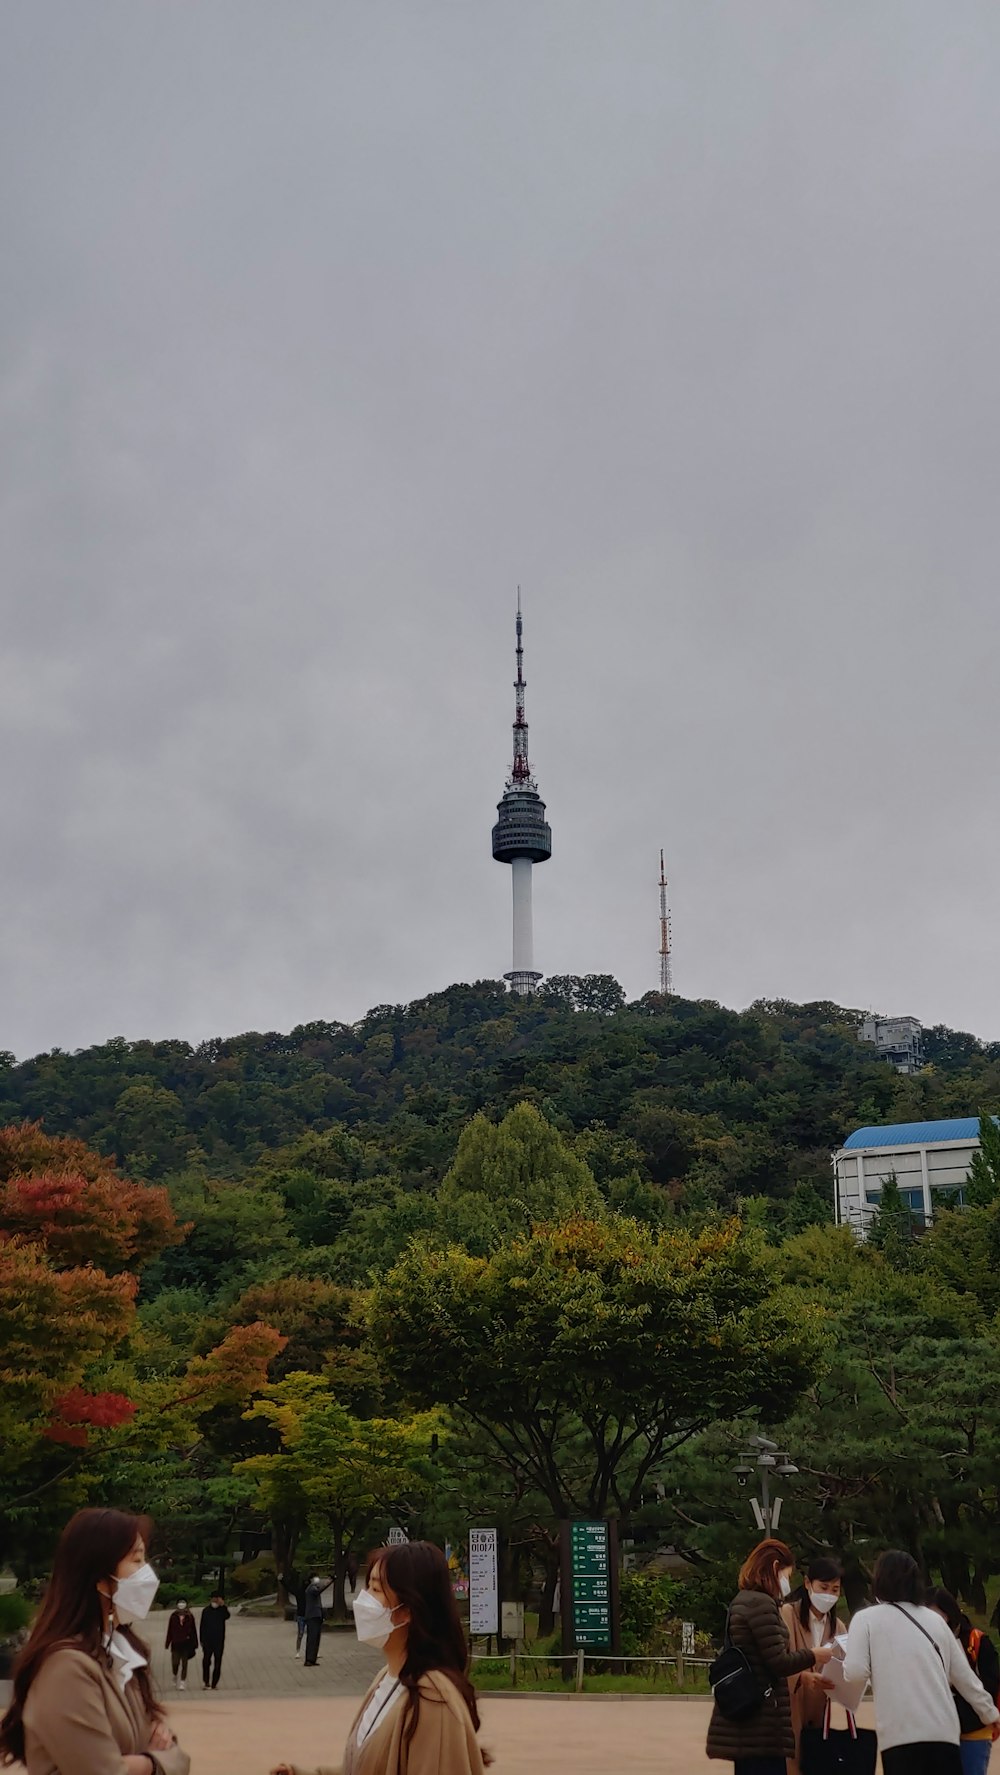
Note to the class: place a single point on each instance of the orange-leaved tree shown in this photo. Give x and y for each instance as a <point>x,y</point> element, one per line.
<point>72,1235</point>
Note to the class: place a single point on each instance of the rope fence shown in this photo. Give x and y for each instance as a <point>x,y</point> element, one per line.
<point>573,1665</point>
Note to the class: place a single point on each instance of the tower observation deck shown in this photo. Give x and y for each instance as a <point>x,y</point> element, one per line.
<point>521,836</point>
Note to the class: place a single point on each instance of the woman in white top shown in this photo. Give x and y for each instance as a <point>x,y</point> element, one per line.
<point>811,1618</point>
<point>913,1663</point>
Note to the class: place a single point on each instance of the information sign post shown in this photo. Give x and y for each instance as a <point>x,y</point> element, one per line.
<point>484,1589</point>
<point>590,1611</point>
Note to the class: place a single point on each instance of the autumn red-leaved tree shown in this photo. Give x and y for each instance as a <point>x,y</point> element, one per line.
<point>57,1193</point>
<point>72,1234</point>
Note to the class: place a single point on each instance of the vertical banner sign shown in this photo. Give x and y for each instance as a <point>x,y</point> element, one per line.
<point>590,1571</point>
<point>484,1591</point>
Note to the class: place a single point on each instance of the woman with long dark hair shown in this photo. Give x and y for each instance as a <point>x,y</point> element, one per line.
<point>810,1614</point>
<point>763,1742</point>
<point>420,1714</point>
<point>83,1701</point>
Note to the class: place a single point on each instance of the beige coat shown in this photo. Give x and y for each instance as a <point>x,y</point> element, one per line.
<point>78,1722</point>
<point>444,1742</point>
<point>807,1695</point>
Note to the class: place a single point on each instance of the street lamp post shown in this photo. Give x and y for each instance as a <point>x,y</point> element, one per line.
<point>766,1459</point>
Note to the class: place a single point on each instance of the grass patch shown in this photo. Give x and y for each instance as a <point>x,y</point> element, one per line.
<point>547,1679</point>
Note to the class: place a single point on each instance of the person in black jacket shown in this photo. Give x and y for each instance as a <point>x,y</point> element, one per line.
<point>762,1743</point>
<point>314,1619</point>
<point>212,1638</point>
<point>977,1739</point>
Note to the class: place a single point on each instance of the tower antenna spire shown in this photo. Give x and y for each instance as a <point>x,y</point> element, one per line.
<point>521,836</point>
<point>666,966</point>
<point>521,769</point>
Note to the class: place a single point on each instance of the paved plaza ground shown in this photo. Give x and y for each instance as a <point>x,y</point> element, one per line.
<point>586,1734</point>
<point>269,1709</point>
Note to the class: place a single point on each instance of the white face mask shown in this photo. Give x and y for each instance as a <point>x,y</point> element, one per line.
<point>373,1622</point>
<point>784,1584</point>
<point>134,1595</point>
<point>822,1601</point>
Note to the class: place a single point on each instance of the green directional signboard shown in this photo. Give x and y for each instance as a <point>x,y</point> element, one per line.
<point>590,1583</point>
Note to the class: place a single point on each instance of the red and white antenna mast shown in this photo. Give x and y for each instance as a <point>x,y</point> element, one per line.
<point>521,772</point>
<point>666,971</point>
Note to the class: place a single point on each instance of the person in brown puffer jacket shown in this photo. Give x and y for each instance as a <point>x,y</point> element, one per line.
<point>761,1744</point>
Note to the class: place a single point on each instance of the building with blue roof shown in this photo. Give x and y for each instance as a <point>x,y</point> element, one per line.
<point>924,1157</point>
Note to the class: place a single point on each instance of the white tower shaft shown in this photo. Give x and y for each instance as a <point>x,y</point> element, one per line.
<point>524,947</point>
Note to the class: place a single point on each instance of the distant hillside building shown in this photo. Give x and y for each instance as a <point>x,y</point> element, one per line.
<point>896,1039</point>
<point>924,1157</point>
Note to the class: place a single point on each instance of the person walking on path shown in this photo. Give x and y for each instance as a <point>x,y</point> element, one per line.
<point>977,1740</point>
<point>913,1662</point>
<point>810,1616</point>
<point>295,1589</point>
<point>420,1714</point>
<point>764,1742</point>
<point>212,1637</point>
<point>181,1642</point>
<point>313,1614</point>
<point>83,1701</point>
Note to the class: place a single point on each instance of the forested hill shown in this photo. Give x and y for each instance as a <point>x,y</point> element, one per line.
<point>673,1103</point>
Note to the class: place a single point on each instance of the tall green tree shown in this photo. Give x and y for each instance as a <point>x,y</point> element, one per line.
<point>586,1352</point>
<point>345,1475</point>
<point>508,1176</point>
<point>983,1183</point>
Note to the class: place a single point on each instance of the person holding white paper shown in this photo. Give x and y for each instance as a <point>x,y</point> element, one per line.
<point>913,1663</point>
<point>810,1614</point>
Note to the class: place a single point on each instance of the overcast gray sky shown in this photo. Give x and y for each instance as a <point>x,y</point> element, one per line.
<point>322,326</point>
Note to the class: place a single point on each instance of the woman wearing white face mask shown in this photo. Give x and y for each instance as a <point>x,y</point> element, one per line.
<point>83,1702</point>
<point>811,1618</point>
<point>420,1713</point>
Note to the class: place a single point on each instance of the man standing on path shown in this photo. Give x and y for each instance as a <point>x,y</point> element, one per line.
<point>314,1619</point>
<point>212,1635</point>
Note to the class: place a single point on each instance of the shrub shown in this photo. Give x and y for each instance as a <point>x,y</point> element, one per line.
<point>15,1613</point>
<point>254,1577</point>
<point>705,1596</point>
<point>649,1613</point>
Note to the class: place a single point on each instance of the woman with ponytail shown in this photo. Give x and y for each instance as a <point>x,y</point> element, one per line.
<point>419,1717</point>
<point>83,1702</point>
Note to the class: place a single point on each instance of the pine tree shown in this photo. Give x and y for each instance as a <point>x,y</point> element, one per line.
<point>894,1226</point>
<point>982,1186</point>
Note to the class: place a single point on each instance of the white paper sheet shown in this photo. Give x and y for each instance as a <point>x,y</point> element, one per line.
<point>841,1693</point>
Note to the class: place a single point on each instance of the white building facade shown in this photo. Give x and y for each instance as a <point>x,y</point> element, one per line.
<point>896,1039</point>
<point>924,1158</point>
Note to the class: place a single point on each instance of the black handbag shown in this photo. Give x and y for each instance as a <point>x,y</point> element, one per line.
<point>824,1752</point>
<point>735,1685</point>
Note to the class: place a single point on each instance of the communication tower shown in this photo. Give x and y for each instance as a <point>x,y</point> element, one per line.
<point>521,836</point>
<point>666,969</point>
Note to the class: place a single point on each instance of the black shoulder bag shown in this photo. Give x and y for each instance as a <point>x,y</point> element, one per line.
<point>735,1686</point>
<point>823,1752</point>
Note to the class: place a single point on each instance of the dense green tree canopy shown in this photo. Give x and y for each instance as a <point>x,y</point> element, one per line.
<point>594,1239</point>
<point>587,1352</point>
